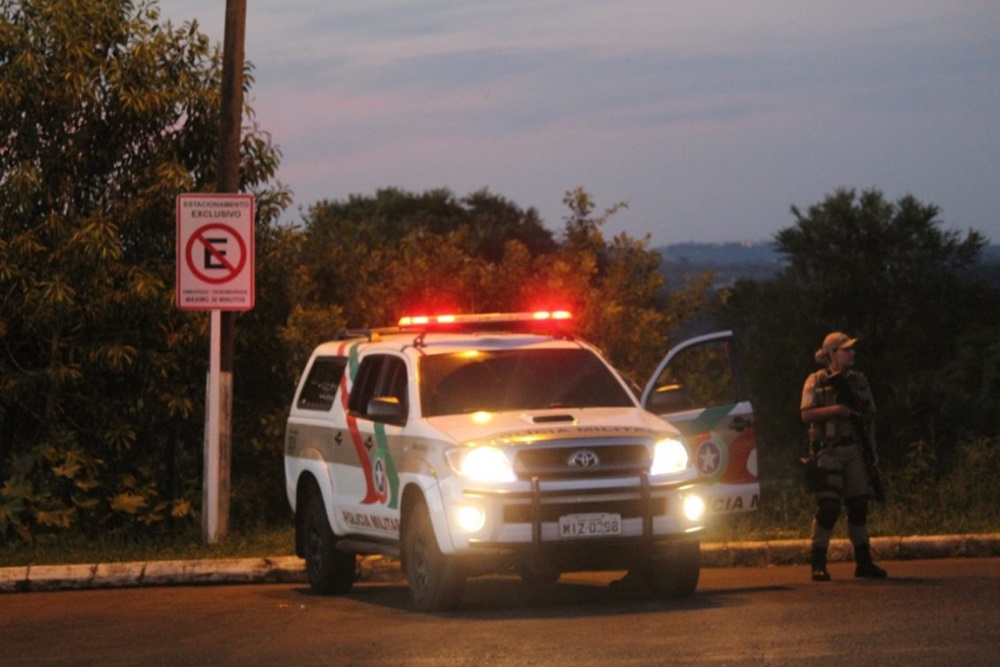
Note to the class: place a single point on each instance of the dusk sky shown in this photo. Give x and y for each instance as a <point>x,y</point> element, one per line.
<point>710,118</point>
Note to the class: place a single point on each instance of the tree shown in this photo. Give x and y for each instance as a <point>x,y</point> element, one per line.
<point>878,266</point>
<point>886,272</point>
<point>105,116</point>
<point>368,260</point>
<point>625,305</point>
<point>494,220</point>
<point>488,220</point>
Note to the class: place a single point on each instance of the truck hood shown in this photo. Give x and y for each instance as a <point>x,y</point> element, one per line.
<point>530,426</point>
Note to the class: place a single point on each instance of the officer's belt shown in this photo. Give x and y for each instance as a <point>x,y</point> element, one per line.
<point>842,442</point>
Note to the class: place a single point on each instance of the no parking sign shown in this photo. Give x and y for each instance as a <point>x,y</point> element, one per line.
<point>215,252</point>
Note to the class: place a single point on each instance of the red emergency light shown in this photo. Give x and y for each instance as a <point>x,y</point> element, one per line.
<point>485,321</point>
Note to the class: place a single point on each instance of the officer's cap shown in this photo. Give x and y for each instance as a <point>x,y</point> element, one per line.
<point>837,341</point>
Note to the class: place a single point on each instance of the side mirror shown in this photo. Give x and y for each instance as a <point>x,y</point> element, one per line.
<point>386,409</point>
<point>669,398</point>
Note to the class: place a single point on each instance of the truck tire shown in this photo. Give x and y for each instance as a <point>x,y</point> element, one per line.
<point>434,578</point>
<point>330,571</point>
<point>675,574</point>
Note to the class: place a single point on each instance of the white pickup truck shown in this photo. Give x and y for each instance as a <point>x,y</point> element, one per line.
<point>479,444</point>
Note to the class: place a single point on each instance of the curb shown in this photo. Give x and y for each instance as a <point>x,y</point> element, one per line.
<point>152,573</point>
<point>291,569</point>
<point>796,552</point>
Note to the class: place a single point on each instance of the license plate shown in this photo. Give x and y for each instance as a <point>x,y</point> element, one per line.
<point>589,525</point>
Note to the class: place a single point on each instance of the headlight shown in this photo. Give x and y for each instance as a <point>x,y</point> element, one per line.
<point>669,456</point>
<point>481,464</point>
<point>694,508</point>
<point>470,518</point>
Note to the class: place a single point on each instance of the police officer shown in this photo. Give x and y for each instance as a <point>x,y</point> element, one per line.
<point>835,441</point>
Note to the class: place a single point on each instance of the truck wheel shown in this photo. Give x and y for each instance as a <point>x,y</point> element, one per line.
<point>435,580</point>
<point>330,571</point>
<point>675,574</point>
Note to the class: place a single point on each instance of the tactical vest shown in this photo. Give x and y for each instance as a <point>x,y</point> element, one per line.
<point>838,430</point>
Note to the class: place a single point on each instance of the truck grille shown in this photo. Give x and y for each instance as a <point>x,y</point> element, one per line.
<point>581,461</point>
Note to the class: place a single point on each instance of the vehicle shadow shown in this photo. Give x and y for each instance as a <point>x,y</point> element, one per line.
<point>500,597</point>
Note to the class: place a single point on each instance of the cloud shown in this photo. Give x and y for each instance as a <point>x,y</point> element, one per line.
<point>711,117</point>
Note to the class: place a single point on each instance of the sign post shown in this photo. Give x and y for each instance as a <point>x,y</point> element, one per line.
<point>215,272</point>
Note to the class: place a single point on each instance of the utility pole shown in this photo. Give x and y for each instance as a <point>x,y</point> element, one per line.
<point>215,502</point>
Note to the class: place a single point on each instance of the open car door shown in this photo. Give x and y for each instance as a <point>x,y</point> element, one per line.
<point>699,388</point>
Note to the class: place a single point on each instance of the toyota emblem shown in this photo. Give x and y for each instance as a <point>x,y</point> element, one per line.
<point>583,458</point>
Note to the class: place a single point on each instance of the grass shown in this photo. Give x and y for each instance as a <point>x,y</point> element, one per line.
<point>64,549</point>
<point>787,515</point>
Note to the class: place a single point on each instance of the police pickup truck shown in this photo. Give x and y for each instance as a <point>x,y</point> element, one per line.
<point>474,444</point>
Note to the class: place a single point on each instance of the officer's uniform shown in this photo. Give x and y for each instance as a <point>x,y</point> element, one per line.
<point>838,447</point>
<point>836,442</point>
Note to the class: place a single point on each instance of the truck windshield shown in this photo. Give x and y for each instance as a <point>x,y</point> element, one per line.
<point>504,380</point>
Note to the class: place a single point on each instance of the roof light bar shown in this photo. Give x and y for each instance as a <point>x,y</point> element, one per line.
<point>481,319</point>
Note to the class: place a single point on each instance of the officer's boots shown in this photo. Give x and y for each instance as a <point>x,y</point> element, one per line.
<point>866,569</point>
<point>819,572</point>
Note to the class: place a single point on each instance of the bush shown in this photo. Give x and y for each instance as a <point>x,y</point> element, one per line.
<point>921,499</point>
<point>962,498</point>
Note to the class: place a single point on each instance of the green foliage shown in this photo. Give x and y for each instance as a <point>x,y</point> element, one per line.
<point>184,543</point>
<point>964,496</point>
<point>888,273</point>
<point>921,499</point>
<point>367,261</point>
<point>105,116</point>
<point>773,324</point>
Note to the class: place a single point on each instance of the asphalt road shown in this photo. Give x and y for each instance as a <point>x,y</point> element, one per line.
<point>929,612</point>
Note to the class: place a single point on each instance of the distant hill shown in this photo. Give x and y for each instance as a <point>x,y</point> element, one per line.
<point>752,260</point>
<point>729,262</point>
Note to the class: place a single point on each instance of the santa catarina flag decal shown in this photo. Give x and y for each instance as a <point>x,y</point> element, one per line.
<point>381,478</point>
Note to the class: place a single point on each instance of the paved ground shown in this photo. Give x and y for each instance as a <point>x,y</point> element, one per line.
<point>376,568</point>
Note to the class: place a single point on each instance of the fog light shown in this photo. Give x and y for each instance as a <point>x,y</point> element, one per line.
<point>694,508</point>
<point>470,518</point>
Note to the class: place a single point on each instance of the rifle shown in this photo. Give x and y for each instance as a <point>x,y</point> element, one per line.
<point>845,395</point>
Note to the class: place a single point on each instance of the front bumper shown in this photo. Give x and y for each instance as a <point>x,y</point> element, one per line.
<point>523,526</point>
